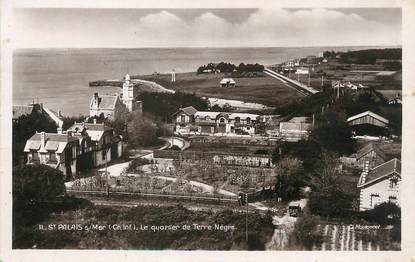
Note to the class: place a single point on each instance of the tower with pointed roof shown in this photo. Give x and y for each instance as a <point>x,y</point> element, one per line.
<point>128,93</point>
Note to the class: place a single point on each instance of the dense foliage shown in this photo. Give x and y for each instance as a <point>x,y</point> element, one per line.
<point>368,56</point>
<point>289,179</point>
<point>163,105</point>
<point>68,121</point>
<point>25,127</point>
<point>333,133</point>
<point>34,183</point>
<point>224,67</point>
<point>37,191</point>
<point>387,213</point>
<point>305,233</point>
<point>328,197</point>
<point>136,163</point>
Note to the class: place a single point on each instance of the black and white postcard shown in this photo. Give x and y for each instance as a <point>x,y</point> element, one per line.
<point>169,130</point>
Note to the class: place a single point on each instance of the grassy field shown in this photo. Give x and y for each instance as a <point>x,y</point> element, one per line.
<point>264,90</point>
<point>335,71</point>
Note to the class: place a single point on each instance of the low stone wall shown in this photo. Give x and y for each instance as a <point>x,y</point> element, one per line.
<point>247,141</point>
<point>221,158</point>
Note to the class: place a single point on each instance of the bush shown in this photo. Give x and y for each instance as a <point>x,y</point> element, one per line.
<point>132,167</point>
<point>36,183</point>
<point>386,213</point>
<point>305,233</point>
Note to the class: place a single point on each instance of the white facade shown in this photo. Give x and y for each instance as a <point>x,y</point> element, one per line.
<point>379,192</point>
<point>380,184</point>
<point>128,93</point>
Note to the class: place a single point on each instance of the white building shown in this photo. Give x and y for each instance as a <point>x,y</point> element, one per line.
<point>58,151</point>
<point>189,120</point>
<point>227,82</point>
<point>128,93</point>
<point>380,184</point>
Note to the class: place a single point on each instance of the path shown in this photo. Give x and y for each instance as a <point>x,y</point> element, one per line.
<point>284,226</point>
<point>175,141</point>
<point>278,76</point>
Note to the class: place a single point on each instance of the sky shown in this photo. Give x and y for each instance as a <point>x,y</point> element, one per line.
<point>137,28</point>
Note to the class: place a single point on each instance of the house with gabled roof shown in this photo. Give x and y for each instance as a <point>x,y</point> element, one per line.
<point>368,124</point>
<point>189,120</point>
<point>109,105</point>
<point>372,153</point>
<point>183,119</point>
<point>380,184</point>
<point>368,117</point>
<point>59,151</point>
<point>105,144</point>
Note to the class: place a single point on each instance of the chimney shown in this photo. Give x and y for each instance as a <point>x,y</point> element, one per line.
<point>59,113</point>
<point>42,139</point>
<point>95,121</point>
<point>59,130</point>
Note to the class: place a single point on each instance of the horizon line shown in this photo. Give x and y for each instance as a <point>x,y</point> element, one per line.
<point>195,47</point>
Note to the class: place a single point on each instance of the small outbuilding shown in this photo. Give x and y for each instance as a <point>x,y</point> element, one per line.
<point>227,82</point>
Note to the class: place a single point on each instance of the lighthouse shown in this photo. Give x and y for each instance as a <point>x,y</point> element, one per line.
<point>128,93</point>
<point>173,76</point>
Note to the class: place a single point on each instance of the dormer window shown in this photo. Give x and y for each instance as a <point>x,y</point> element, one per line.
<point>248,121</point>
<point>237,119</point>
<point>222,120</point>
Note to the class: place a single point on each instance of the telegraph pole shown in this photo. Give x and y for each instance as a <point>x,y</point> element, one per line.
<point>106,174</point>
<point>308,76</point>
<point>246,218</point>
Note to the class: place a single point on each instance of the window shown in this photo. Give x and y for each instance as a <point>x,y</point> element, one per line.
<point>237,119</point>
<point>52,157</point>
<point>374,200</point>
<point>393,183</point>
<point>222,120</point>
<point>35,156</point>
<point>393,199</point>
<point>183,119</point>
<point>248,121</point>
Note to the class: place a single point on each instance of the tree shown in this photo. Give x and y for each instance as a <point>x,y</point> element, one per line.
<point>328,197</point>
<point>35,183</point>
<point>289,178</point>
<point>333,133</point>
<point>142,132</point>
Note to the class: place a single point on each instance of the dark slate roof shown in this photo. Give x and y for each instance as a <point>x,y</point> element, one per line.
<point>366,149</point>
<point>91,126</point>
<point>19,111</point>
<point>383,170</point>
<point>106,101</point>
<point>190,110</point>
<point>54,137</point>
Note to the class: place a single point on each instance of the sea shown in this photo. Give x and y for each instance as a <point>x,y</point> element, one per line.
<point>59,78</point>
